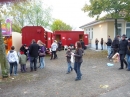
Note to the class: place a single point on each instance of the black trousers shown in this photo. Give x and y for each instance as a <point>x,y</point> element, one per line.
<point>53,54</point>
<point>122,60</point>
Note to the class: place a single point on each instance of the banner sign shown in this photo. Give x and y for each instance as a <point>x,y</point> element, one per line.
<point>7,28</point>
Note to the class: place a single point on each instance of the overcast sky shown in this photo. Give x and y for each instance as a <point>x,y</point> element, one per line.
<point>69,11</point>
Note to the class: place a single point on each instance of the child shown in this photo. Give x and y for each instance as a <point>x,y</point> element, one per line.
<point>68,55</point>
<point>22,61</point>
<point>13,60</point>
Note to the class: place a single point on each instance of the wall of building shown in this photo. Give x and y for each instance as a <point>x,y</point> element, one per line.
<point>110,29</point>
<point>102,30</point>
<point>123,27</point>
<point>99,31</point>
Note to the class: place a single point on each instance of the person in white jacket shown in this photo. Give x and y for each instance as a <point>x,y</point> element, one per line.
<point>54,47</point>
<point>13,60</point>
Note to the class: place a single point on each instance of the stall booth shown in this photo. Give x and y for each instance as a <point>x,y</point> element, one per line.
<point>7,34</point>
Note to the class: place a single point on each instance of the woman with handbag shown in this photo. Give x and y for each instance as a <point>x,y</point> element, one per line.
<point>42,53</point>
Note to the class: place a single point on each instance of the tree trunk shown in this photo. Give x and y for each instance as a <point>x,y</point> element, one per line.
<point>3,59</point>
<point>116,28</point>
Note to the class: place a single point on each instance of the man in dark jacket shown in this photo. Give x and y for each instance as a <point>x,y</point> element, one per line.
<point>33,53</point>
<point>122,51</point>
<point>114,46</point>
<point>108,43</point>
<point>82,44</point>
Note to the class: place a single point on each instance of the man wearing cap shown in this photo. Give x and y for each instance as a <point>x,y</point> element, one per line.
<point>122,51</point>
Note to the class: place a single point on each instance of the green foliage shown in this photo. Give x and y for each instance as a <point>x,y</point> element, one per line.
<point>115,8</point>
<point>39,15</point>
<point>60,25</point>
<point>26,13</point>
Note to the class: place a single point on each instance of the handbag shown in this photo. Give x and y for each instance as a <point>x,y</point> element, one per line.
<point>42,54</point>
<point>72,59</point>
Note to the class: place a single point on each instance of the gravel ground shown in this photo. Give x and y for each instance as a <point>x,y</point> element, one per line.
<point>52,81</point>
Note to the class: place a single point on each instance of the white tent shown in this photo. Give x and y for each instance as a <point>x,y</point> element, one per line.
<point>16,40</point>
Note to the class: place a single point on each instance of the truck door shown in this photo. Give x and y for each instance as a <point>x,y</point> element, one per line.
<point>86,39</point>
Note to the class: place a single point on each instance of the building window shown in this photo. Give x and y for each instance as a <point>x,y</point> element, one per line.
<point>127,24</point>
<point>128,30</point>
<point>89,31</point>
<point>119,29</point>
<point>91,34</point>
<point>119,25</point>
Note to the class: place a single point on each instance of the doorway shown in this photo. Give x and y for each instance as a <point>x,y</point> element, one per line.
<point>58,38</point>
<point>81,37</point>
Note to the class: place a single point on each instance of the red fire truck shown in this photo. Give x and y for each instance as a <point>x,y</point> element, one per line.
<point>70,37</point>
<point>46,36</point>
<point>37,33</point>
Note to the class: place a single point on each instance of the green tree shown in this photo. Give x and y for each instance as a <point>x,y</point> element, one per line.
<point>3,60</point>
<point>16,11</point>
<point>115,8</point>
<point>27,13</point>
<point>60,25</point>
<point>39,14</point>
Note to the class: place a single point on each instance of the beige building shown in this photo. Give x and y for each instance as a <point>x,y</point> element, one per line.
<point>102,28</point>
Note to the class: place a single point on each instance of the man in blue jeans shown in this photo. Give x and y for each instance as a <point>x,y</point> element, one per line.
<point>114,47</point>
<point>109,43</point>
<point>33,53</point>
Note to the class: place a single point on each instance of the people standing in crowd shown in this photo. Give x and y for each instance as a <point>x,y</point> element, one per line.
<point>59,45</point>
<point>109,43</point>
<point>122,51</point>
<point>101,43</point>
<point>114,47</point>
<point>22,61</point>
<point>54,47</point>
<point>13,60</point>
<point>128,55</point>
<point>42,53</point>
<point>96,42</point>
<point>68,55</point>
<point>33,54</point>
<point>78,60</point>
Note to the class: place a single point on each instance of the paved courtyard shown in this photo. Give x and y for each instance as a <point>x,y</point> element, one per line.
<point>98,79</point>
